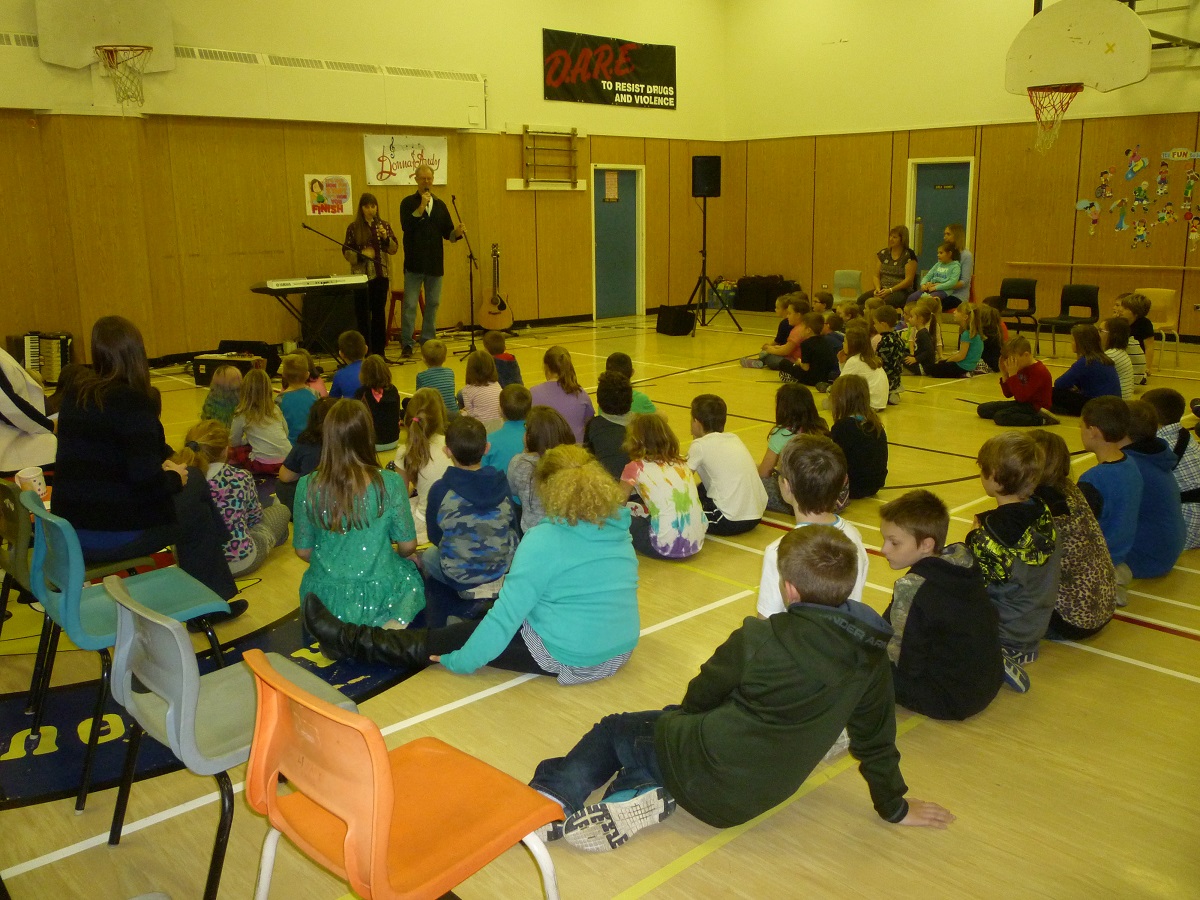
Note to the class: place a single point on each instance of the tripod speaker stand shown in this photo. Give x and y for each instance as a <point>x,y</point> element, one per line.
<point>704,284</point>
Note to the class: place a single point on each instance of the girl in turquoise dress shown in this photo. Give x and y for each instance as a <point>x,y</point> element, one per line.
<point>349,513</point>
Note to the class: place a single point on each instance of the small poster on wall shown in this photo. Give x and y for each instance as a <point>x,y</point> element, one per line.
<point>392,158</point>
<point>328,195</point>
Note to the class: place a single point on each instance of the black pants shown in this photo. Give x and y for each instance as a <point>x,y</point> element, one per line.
<point>717,523</point>
<point>812,377</point>
<point>1067,402</point>
<point>1062,630</point>
<point>1010,412</point>
<point>513,658</point>
<point>370,309</point>
<point>945,369</point>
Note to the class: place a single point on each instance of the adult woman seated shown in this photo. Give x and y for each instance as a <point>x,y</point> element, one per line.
<point>114,481</point>
<point>961,292</point>
<point>568,606</point>
<point>895,270</point>
<point>26,433</point>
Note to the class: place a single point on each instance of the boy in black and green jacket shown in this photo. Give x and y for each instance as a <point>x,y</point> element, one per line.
<point>755,722</point>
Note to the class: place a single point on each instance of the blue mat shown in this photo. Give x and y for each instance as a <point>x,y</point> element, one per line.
<point>51,770</point>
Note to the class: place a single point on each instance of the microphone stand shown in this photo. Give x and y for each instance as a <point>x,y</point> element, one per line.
<point>472,265</point>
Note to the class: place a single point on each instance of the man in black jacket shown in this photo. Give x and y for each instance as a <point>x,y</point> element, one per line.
<point>425,222</point>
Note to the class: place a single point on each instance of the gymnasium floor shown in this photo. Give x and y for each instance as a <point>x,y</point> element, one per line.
<point>1084,787</point>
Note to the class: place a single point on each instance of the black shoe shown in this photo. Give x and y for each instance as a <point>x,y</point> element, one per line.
<point>400,648</point>
<point>236,608</point>
<point>1196,407</point>
<point>406,353</point>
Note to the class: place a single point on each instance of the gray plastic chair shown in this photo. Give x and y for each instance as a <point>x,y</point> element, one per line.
<point>847,280</point>
<point>16,540</point>
<point>207,721</point>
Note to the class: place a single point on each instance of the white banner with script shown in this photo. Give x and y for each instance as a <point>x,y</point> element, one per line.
<point>392,158</point>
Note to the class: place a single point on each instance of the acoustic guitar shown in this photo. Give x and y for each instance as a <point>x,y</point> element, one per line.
<point>494,313</point>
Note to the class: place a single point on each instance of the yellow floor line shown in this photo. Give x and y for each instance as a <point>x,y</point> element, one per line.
<point>723,837</point>
<point>716,577</point>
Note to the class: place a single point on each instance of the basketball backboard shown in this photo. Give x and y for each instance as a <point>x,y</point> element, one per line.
<point>70,30</point>
<point>1102,44</point>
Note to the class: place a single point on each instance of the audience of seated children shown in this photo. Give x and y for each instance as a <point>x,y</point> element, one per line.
<point>1169,406</point>
<point>755,721</point>
<point>509,439</point>
<point>438,376</point>
<point>1113,487</point>
<point>1161,534</point>
<point>425,459</point>
<point>258,434</point>
<point>382,401</point>
<point>834,333</point>
<point>316,383</point>
<point>945,650</point>
<point>891,349</point>
<point>869,307</point>
<point>858,358</point>
<point>561,391</point>
<point>253,531</point>
<point>224,391</point>
<point>922,349</point>
<point>848,310</point>
<point>943,277</point>
<point>970,345</point>
<point>305,454</point>
<point>1091,375</point>
<point>859,432</point>
<point>1016,546</point>
<point>296,399</point>
<point>623,365</point>
<point>991,326</point>
<point>772,354</point>
<point>545,429</point>
<point>812,471</point>
<point>349,514</point>
<point>795,413</point>
<point>352,347</point>
<point>1114,333</point>
<point>784,328</point>
<point>604,434</point>
<point>1087,586</point>
<point>481,393</point>
<point>1135,309</point>
<point>508,370</point>
<point>821,303</point>
<point>1027,382</point>
<point>668,521</point>
<point>934,305</point>
<point>469,519</point>
<point>731,493</point>
<point>817,363</point>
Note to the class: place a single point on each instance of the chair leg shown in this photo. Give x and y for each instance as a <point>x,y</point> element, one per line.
<point>214,643</point>
<point>39,662</point>
<point>222,840</point>
<point>131,755</point>
<point>44,674</point>
<point>542,857</point>
<point>94,735</point>
<point>266,864</point>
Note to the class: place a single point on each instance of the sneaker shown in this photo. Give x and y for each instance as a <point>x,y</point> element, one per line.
<point>1124,577</point>
<point>1014,675</point>
<point>839,748</point>
<point>1195,406</point>
<point>893,398</point>
<point>753,362</point>
<point>610,823</point>
<point>786,377</point>
<point>1048,419</point>
<point>236,608</point>
<point>406,353</point>
<point>823,387</point>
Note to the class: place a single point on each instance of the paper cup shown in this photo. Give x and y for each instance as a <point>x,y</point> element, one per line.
<point>32,479</point>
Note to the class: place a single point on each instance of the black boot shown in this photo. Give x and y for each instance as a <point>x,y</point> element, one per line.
<point>401,648</point>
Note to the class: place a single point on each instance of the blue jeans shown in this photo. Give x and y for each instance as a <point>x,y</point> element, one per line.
<point>620,745</point>
<point>412,293</point>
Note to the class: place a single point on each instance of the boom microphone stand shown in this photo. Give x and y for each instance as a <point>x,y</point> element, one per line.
<point>472,265</point>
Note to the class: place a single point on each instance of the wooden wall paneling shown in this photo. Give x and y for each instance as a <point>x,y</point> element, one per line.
<point>505,218</point>
<point>851,202</point>
<point>107,213</point>
<point>899,210</point>
<point>684,260</point>
<point>564,246</point>
<point>628,151</point>
<point>930,143</point>
<point>730,206</point>
<point>1022,215</point>
<point>658,222</point>
<point>779,208</point>
<point>1189,309</point>
<point>730,240</point>
<point>162,238</point>
<point>62,312</point>
<point>455,283</point>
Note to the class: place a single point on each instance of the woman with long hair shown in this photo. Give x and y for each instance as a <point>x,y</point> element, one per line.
<point>894,274</point>
<point>114,481</point>
<point>369,242</point>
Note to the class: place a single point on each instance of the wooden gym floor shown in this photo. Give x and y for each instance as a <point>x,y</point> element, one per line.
<point>1084,787</point>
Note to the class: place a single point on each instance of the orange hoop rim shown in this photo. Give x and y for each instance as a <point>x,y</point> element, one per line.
<point>113,55</point>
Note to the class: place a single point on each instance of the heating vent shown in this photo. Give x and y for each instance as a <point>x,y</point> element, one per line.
<point>5,40</point>
<point>411,73</point>
<point>215,55</point>
<point>296,62</point>
<point>352,67</point>
<point>456,76</point>
<point>25,40</point>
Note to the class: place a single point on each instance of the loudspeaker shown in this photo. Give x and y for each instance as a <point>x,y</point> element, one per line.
<point>706,176</point>
<point>675,320</point>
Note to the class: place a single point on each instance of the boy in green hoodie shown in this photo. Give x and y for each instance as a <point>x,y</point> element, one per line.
<point>756,720</point>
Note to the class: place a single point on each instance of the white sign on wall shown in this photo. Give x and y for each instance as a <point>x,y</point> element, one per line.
<point>392,158</point>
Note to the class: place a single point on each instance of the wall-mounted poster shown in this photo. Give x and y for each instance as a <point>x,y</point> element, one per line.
<point>392,158</point>
<point>328,195</point>
<point>586,68</point>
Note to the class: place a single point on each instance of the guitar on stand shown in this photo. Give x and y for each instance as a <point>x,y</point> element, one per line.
<point>495,314</point>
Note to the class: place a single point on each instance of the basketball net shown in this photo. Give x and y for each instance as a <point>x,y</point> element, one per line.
<point>1050,102</point>
<point>125,64</point>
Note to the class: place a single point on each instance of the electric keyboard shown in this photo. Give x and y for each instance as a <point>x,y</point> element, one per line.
<point>281,286</point>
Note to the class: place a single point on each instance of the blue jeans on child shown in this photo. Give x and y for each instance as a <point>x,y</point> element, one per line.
<point>620,745</point>
<point>412,293</point>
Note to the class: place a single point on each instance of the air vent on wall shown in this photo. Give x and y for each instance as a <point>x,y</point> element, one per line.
<point>456,76</point>
<point>411,73</point>
<point>365,68</point>
<point>232,56</point>
<point>25,40</point>
<point>5,40</point>
<point>296,62</point>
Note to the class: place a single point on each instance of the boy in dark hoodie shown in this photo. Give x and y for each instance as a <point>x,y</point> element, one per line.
<point>469,515</point>
<point>756,720</point>
<point>1161,530</point>
<point>1016,546</point>
<point>945,652</point>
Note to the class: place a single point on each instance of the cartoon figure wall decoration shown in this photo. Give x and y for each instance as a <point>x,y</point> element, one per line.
<point>1092,208</point>
<point>1188,185</point>
<point>1141,196</point>
<point>1118,207</point>
<point>1141,234</point>
<point>1137,162</point>
<point>1161,180</point>
<point>1166,215</point>
<point>1104,189</point>
<point>1193,234</point>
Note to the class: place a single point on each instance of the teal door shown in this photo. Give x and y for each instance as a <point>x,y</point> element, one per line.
<point>616,242</point>
<point>943,192</point>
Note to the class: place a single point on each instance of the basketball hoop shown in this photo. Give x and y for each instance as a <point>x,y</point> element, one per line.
<point>125,64</point>
<point>1050,102</point>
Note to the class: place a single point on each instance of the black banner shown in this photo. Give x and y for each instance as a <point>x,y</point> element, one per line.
<point>585,68</point>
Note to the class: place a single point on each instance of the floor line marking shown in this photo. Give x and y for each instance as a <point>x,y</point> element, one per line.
<point>1164,600</point>
<point>1157,625</point>
<point>729,543</point>
<point>1131,661</point>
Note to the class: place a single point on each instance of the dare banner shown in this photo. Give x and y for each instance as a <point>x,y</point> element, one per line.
<point>585,68</point>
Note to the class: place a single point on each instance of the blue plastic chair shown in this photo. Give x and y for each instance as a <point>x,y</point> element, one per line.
<point>89,616</point>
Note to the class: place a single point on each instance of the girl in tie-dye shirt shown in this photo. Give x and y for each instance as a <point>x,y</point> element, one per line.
<point>668,520</point>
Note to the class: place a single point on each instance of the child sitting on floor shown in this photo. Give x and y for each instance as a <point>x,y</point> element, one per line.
<point>795,413</point>
<point>1169,406</point>
<point>509,439</point>
<point>817,363</point>
<point>561,390</point>
<point>352,347</point>
<point>891,349</point>
<point>382,400</point>
<point>224,391</point>
<point>481,393</point>
<point>316,383</point>
<point>545,429</point>
<point>772,354</point>
<point>1115,335</point>
<point>604,434</point>
<point>965,359</point>
<point>623,365</point>
<point>1161,532</point>
<point>296,399</point>
<point>731,492</point>
<point>425,459</point>
<point>1091,375</point>
<point>860,434</point>
<point>1027,381</point>
<point>508,370</point>
<point>858,358</point>
<point>922,350</point>
<point>258,435</point>
<point>438,376</point>
<point>305,454</point>
<point>668,521</point>
<point>1135,309</point>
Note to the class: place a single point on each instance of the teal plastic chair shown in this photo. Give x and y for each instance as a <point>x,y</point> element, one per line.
<point>207,721</point>
<point>89,616</point>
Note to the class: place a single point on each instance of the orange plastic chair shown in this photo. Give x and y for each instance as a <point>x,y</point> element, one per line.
<point>409,823</point>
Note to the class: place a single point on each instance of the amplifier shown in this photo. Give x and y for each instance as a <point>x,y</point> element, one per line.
<point>205,364</point>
